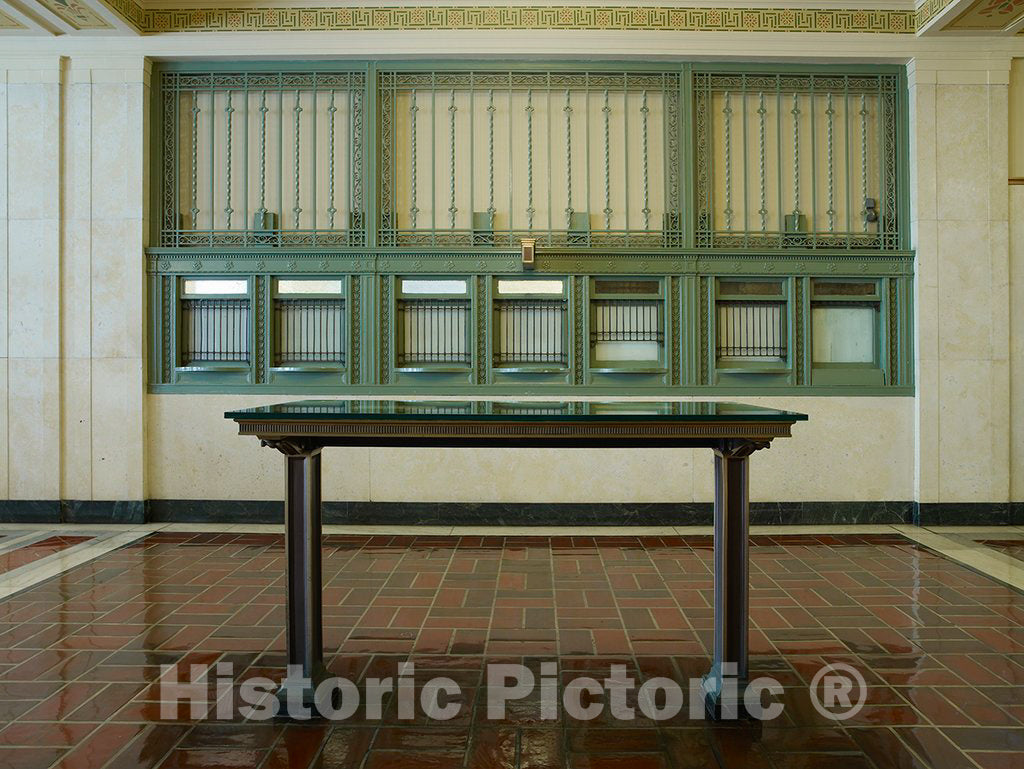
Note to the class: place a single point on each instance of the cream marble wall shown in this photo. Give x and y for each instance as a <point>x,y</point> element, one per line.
<point>30,215</point>
<point>72,136</point>
<point>850,449</point>
<point>102,406</point>
<point>960,226</point>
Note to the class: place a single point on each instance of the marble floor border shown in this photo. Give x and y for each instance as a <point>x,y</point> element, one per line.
<point>23,540</point>
<point>31,574</point>
<point>960,547</point>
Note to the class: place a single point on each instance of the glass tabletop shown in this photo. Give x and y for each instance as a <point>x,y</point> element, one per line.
<point>527,411</point>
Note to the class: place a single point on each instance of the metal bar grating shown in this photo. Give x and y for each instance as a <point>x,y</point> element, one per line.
<point>820,149</point>
<point>285,146</point>
<point>433,331</point>
<point>626,320</point>
<point>751,330</point>
<point>214,330</point>
<point>530,331</point>
<point>309,331</point>
<point>562,129</point>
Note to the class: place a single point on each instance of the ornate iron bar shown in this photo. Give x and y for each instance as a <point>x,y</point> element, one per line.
<point>831,213</point>
<point>490,158</point>
<point>413,209</point>
<point>220,166</point>
<point>530,210</point>
<point>761,112</point>
<point>332,112</point>
<point>452,209</point>
<point>646,210</point>
<point>607,165</point>
<point>228,210</point>
<point>532,101</point>
<point>813,209</point>
<point>728,161</point>
<point>568,162</point>
<point>195,161</point>
<point>297,209</point>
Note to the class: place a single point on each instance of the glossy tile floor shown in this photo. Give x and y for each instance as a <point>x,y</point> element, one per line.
<point>84,630</point>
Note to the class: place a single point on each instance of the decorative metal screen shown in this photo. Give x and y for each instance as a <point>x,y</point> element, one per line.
<point>751,330</point>
<point>309,331</point>
<point>801,161</point>
<point>262,158</point>
<point>626,329</point>
<point>568,158</point>
<point>529,331</point>
<point>433,331</point>
<point>214,330</point>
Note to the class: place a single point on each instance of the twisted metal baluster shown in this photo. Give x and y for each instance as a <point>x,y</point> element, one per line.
<point>796,154</point>
<point>228,210</point>
<point>297,210</point>
<point>530,210</point>
<point>490,155</point>
<point>568,160</point>
<point>864,159</point>
<point>452,109</point>
<point>761,112</point>
<point>830,112</point>
<point>331,210</point>
<point>727,111</point>
<point>413,110</point>
<point>607,165</point>
<point>195,160</point>
<point>646,210</point>
<point>262,210</point>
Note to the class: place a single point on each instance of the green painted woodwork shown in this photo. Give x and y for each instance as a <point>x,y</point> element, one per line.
<point>347,227</point>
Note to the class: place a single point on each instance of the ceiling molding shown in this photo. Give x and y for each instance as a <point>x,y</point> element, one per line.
<point>988,16</point>
<point>8,23</point>
<point>873,17</point>
<point>531,17</point>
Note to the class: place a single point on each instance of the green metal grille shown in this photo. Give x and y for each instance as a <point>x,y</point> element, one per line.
<point>530,331</point>
<point>309,331</point>
<point>262,158</point>
<point>433,331</point>
<point>214,331</point>
<point>790,160</point>
<point>587,158</point>
<point>647,187</point>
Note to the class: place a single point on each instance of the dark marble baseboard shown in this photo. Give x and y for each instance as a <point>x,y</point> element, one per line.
<point>500,514</point>
<point>30,511</point>
<point>72,511</point>
<point>972,513</point>
<point>533,514</point>
<point>92,511</point>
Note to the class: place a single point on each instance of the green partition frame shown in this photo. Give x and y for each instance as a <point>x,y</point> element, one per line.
<point>687,272</point>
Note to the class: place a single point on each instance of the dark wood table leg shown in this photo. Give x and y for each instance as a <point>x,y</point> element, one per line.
<point>303,543</point>
<point>725,683</point>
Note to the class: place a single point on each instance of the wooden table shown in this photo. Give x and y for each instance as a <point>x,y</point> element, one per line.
<point>300,430</point>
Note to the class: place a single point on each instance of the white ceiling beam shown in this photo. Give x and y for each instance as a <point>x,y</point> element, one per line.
<point>937,22</point>
<point>35,24</point>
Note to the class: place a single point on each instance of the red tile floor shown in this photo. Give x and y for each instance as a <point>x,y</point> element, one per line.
<point>941,647</point>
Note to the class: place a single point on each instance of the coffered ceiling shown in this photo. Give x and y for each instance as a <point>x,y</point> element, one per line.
<point>134,17</point>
